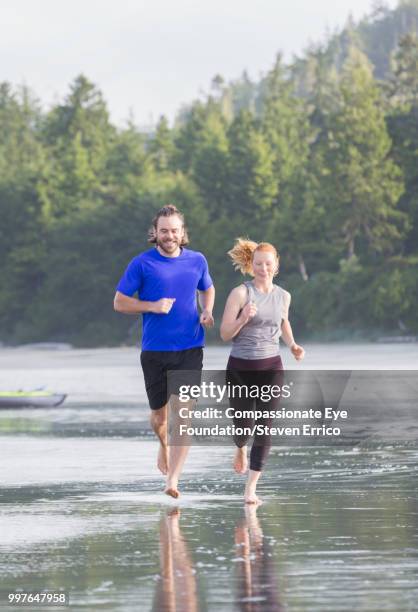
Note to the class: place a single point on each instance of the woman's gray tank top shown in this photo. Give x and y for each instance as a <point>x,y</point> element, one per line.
<point>259,338</point>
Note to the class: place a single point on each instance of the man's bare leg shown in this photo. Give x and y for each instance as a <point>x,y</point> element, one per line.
<point>177,458</point>
<point>158,421</point>
<point>240,460</point>
<point>177,453</point>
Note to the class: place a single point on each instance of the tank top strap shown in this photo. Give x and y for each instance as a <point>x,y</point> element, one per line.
<point>250,291</point>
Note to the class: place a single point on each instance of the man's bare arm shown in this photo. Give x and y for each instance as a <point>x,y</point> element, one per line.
<point>133,306</point>
<point>206,301</point>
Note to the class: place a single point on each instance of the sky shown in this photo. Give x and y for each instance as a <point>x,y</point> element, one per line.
<point>149,57</point>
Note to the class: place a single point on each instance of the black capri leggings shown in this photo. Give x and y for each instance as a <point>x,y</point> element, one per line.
<point>257,372</point>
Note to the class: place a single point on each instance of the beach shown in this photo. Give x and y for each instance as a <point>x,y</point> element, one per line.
<point>83,509</point>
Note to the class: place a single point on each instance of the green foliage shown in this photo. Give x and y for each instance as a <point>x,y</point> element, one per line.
<point>402,120</point>
<point>404,83</point>
<point>362,184</point>
<point>252,182</point>
<point>161,147</point>
<point>78,137</point>
<point>319,158</point>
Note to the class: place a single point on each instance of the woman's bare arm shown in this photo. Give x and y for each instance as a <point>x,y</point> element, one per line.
<point>231,322</point>
<point>287,334</point>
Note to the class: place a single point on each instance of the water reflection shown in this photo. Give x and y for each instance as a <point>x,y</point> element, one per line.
<point>176,588</point>
<point>255,584</point>
<point>257,588</point>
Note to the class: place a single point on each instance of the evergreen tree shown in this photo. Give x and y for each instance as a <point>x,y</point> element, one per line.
<point>78,135</point>
<point>403,128</point>
<point>252,180</point>
<point>404,83</point>
<point>285,123</point>
<point>362,185</point>
<point>188,131</point>
<point>210,165</point>
<point>22,167</point>
<point>161,147</point>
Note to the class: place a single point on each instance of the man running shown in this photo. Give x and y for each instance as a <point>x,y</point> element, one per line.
<point>167,278</point>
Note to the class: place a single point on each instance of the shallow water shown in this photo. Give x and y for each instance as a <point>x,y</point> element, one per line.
<point>82,508</point>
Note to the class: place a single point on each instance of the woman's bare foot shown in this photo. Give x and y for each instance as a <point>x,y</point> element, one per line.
<point>240,460</point>
<point>172,492</point>
<point>250,496</point>
<point>162,461</point>
<point>174,513</point>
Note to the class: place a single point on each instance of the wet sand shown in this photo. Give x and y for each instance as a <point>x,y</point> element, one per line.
<point>92,376</point>
<point>82,506</point>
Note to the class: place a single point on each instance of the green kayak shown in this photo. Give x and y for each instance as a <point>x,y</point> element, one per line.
<point>34,399</point>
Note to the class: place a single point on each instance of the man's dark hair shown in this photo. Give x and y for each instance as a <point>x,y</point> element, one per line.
<point>167,211</point>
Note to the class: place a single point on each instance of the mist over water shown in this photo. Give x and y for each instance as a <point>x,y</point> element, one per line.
<point>82,507</point>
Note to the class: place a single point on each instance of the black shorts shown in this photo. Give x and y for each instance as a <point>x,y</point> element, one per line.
<point>186,364</point>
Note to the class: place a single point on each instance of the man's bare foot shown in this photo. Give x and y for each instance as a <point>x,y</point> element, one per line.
<point>162,461</point>
<point>252,498</point>
<point>240,460</point>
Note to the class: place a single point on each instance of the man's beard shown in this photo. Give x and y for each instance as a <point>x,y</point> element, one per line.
<point>168,246</point>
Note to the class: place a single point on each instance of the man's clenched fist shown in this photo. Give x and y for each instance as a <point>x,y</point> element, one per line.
<point>163,306</point>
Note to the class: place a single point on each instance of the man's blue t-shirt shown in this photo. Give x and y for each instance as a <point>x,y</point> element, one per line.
<point>154,277</point>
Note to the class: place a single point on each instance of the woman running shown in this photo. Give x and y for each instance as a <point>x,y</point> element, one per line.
<point>255,317</point>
